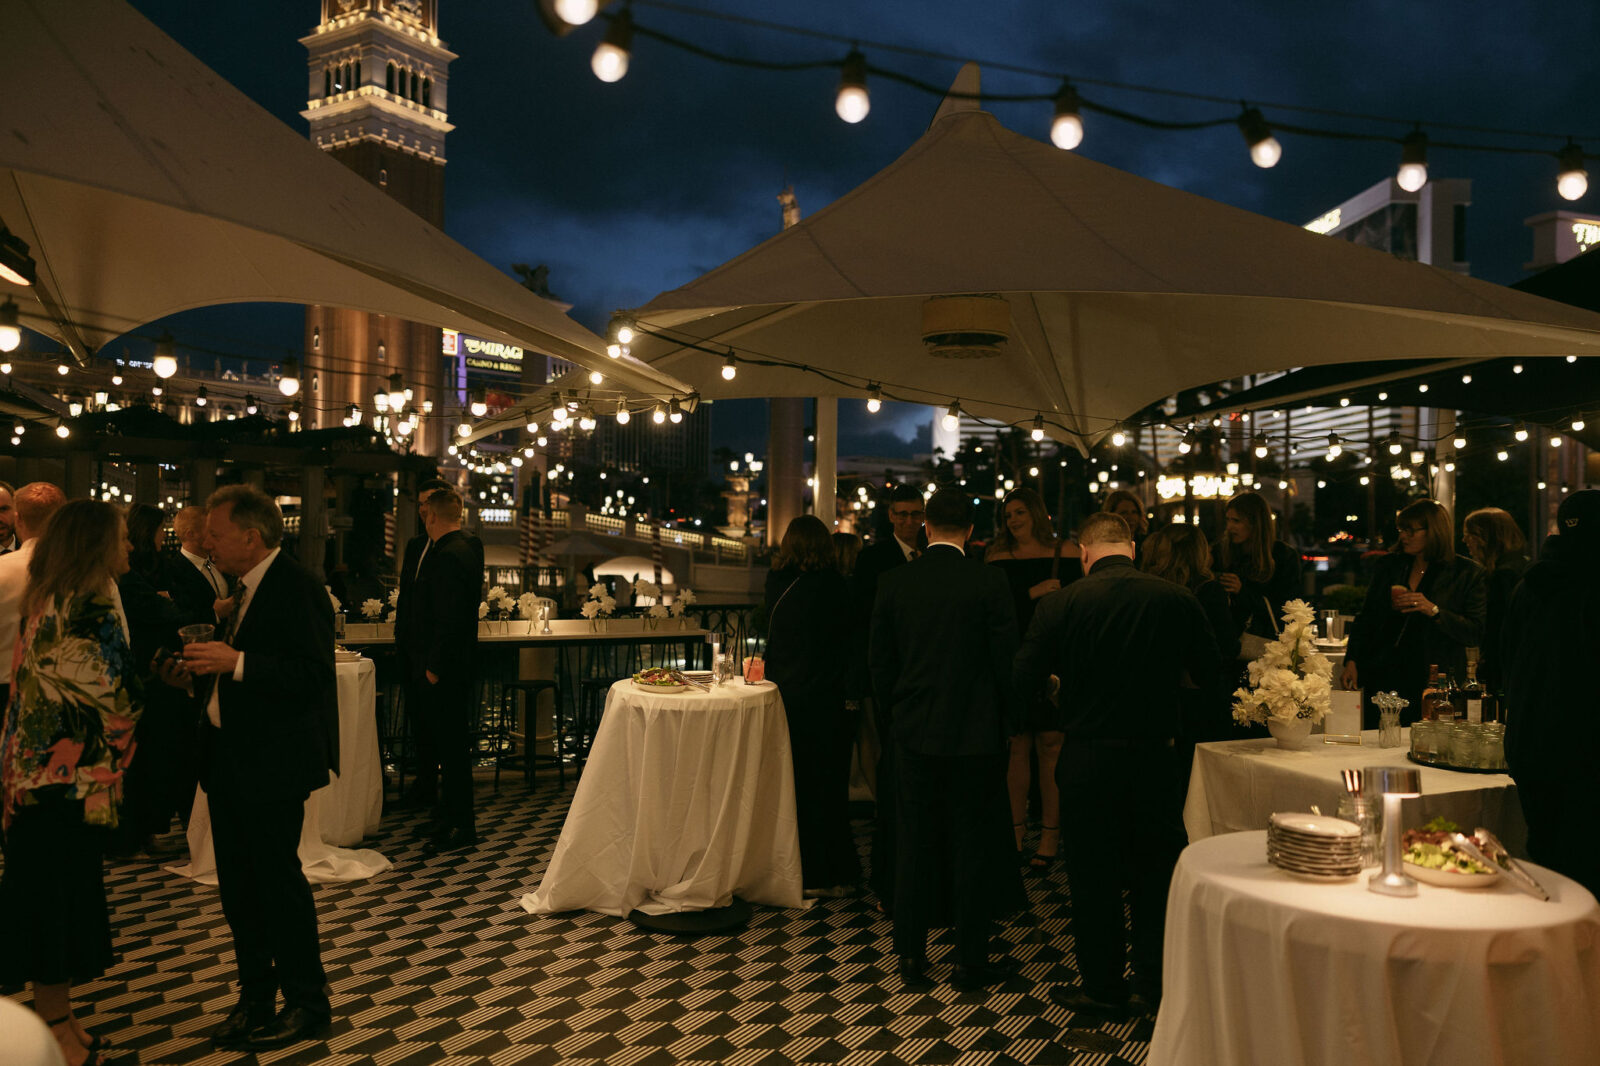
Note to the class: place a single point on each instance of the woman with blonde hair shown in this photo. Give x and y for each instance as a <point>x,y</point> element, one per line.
<point>1036,563</point>
<point>1496,544</point>
<point>67,741</point>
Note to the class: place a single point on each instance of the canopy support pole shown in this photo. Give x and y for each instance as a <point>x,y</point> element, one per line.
<point>826,464</point>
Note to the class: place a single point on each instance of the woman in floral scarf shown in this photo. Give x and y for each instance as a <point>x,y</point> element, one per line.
<point>67,741</point>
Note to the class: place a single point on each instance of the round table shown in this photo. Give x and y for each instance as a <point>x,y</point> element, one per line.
<point>1263,967</point>
<point>686,801</point>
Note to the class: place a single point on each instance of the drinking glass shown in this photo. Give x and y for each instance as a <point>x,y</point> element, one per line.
<point>1332,625</point>
<point>755,670</point>
<point>724,668</point>
<point>1389,730</point>
<point>198,633</point>
<point>1363,811</point>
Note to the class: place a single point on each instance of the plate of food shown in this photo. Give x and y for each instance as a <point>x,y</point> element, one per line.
<point>658,679</point>
<point>1430,857</point>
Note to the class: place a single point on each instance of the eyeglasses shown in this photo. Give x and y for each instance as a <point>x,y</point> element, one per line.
<point>1413,529</point>
<point>905,514</point>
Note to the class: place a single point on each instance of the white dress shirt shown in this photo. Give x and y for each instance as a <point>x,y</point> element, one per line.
<point>13,582</point>
<point>908,550</point>
<point>207,571</point>
<point>249,582</point>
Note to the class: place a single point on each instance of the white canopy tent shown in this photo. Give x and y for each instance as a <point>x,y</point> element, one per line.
<point>1118,291</point>
<point>145,184</point>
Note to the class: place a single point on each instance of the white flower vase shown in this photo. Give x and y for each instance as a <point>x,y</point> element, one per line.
<point>1293,734</point>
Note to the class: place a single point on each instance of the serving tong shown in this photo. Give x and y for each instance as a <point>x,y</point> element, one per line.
<point>684,679</point>
<point>1352,781</point>
<point>1484,848</point>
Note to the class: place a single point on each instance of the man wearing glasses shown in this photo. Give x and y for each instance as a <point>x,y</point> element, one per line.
<point>878,558</point>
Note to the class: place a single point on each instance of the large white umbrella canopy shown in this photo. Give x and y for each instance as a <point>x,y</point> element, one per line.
<point>145,184</point>
<point>1119,291</point>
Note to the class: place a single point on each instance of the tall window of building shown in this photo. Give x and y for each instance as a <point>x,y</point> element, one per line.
<point>413,86</point>
<point>1458,234</point>
<point>427,92</point>
<point>327,82</point>
<point>388,78</point>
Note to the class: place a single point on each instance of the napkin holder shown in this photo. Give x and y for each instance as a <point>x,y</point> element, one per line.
<point>1342,723</point>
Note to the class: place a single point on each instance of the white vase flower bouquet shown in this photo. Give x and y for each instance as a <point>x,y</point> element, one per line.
<point>372,610</point>
<point>682,600</point>
<point>500,604</point>
<point>644,588</point>
<point>598,606</point>
<point>655,615</point>
<point>528,606</point>
<point>1291,679</point>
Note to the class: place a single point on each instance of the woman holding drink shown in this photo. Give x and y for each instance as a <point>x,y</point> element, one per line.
<point>1425,606</point>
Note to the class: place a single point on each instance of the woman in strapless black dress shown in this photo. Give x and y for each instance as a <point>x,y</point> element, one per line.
<point>1036,563</point>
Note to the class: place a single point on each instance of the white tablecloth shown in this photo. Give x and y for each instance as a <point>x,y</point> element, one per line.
<point>347,809</point>
<point>1264,968</point>
<point>687,800</point>
<point>1237,784</point>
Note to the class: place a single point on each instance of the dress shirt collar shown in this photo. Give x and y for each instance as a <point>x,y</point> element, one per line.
<point>905,549</point>
<point>252,581</point>
<point>199,561</point>
<point>945,544</point>
<point>1106,562</point>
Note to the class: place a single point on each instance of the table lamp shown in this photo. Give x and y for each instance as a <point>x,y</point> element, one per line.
<point>1394,783</point>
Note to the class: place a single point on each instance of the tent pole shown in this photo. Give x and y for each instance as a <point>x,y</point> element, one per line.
<point>826,463</point>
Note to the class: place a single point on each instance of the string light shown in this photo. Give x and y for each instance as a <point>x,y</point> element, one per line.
<point>10,332</point>
<point>75,406</point>
<point>658,415</point>
<point>1334,448</point>
<point>294,411</point>
<point>1066,128</point>
<point>1502,455</point>
<point>1460,440</point>
<point>610,61</point>
<point>1038,428</point>
<point>623,417</point>
<point>1119,437</point>
<point>1265,151</point>
<point>63,432</point>
<point>1261,446</point>
<point>165,363</point>
<point>289,378</point>
<point>398,393</point>
<point>1395,447</point>
<point>1186,445</point>
<point>595,377</point>
<point>576,12</point>
<point>730,368</point>
<point>250,406</point>
<point>874,399</point>
<point>116,374</point>
<point>1413,173</point>
<point>463,429</point>
<point>63,369</point>
<point>852,101</point>
<point>200,396</point>
<point>479,405</point>
<point>952,417</point>
<point>1521,432</point>
<point>1572,181</point>
<point>674,412</point>
<point>1578,424</point>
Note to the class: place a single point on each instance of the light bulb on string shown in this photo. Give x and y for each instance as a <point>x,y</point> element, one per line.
<point>1038,428</point>
<point>1460,441</point>
<point>658,415</point>
<point>1334,447</point>
<point>1119,437</point>
<point>576,12</point>
<point>952,417</point>
<point>63,369</point>
<point>479,405</point>
<point>852,101</point>
<point>623,417</point>
<point>165,363</point>
<point>1066,128</point>
<point>1573,180</point>
<point>1265,151</point>
<point>10,331</point>
<point>1413,173</point>
<point>874,399</point>
<point>610,60</point>
<point>398,393</point>
<point>730,368</point>
<point>1578,424</point>
<point>63,432</point>
<point>463,429</point>
<point>1521,432</point>
<point>596,378</point>
<point>294,411</point>
<point>1395,447</point>
<point>288,378</point>
<point>1261,446</point>
<point>200,396</point>
<point>674,413</point>
<point>1186,445</point>
<point>1502,455</point>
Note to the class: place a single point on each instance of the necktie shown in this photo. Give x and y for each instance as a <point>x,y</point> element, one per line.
<point>231,626</point>
<point>216,583</point>
<point>916,553</point>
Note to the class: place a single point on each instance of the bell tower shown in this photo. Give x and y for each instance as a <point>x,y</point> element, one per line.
<point>377,89</point>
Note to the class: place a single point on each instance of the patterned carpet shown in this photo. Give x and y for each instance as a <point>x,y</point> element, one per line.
<point>434,962</point>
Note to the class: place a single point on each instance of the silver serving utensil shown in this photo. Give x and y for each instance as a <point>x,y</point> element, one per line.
<point>1489,844</point>
<point>683,679</point>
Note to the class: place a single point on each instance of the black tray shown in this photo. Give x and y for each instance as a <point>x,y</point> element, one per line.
<point>1440,764</point>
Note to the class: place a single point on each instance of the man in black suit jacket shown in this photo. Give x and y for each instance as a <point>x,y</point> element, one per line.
<point>905,543</point>
<point>270,738</point>
<point>408,647</point>
<point>943,637</point>
<point>443,660</point>
<point>195,582</point>
<point>1123,643</point>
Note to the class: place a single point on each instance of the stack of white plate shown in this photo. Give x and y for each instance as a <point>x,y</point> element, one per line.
<point>1314,846</point>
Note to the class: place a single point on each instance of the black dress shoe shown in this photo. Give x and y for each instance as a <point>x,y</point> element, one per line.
<point>456,839</point>
<point>246,1015</point>
<point>989,974</point>
<point>1075,999</point>
<point>1148,1006</point>
<point>914,974</point>
<point>292,1025</point>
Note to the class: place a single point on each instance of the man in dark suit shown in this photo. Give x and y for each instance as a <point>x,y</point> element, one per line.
<point>1123,643</point>
<point>905,543</point>
<point>408,646</point>
<point>443,660</point>
<point>270,738</point>
<point>196,583</point>
<point>943,637</point>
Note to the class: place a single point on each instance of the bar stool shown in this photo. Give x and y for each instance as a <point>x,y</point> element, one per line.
<point>592,693</point>
<point>526,735</point>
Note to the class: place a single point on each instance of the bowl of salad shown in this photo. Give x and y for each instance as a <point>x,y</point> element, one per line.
<point>658,679</point>
<point>1429,857</point>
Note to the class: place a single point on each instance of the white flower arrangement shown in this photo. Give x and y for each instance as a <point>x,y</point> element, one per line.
<point>483,610</point>
<point>644,587</point>
<point>657,611</point>
<point>394,598</point>
<point>682,600</point>
<point>528,605</point>
<point>1291,679</point>
<point>337,606</point>
<point>600,603</point>
<point>373,610</point>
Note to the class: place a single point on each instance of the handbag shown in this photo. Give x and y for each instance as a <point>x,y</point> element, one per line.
<point>1252,645</point>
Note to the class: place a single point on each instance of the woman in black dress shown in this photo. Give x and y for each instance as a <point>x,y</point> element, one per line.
<point>1425,606</point>
<point>808,647</point>
<point>1180,554</point>
<point>1497,545</point>
<point>1260,572</point>
<point>1036,563</point>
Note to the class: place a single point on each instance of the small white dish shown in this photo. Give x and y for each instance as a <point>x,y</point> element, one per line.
<point>1320,825</point>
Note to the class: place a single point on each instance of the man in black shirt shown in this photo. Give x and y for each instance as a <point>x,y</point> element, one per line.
<point>1123,643</point>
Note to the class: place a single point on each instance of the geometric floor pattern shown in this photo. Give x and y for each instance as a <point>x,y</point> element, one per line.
<point>434,963</point>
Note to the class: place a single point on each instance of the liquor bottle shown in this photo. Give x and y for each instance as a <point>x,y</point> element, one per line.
<point>1473,695</point>
<point>1445,706</point>
<point>1430,696</point>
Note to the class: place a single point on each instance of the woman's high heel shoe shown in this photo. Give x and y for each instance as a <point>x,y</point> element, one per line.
<point>1041,862</point>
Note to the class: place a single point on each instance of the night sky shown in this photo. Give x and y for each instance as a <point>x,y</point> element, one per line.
<point>629,189</point>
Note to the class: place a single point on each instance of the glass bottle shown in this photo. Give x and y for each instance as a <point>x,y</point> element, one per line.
<point>1472,695</point>
<point>1430,696</point>
<point>1447,708</point>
